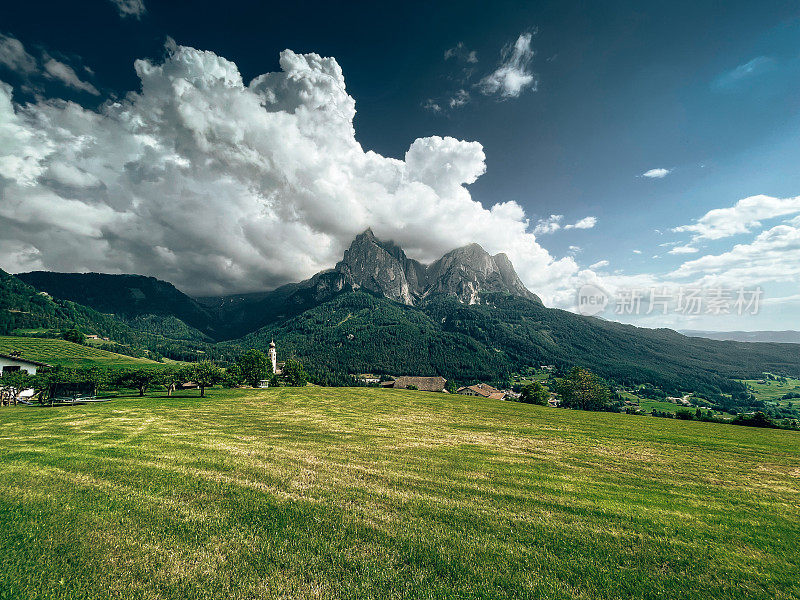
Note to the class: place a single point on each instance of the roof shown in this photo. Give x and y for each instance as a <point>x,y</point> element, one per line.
<point>427,384</point>
<point>482,389</point>
<point>25,360</point>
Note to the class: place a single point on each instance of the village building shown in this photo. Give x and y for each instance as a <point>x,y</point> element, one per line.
<point>426,384</point>
<point>14,362</point>
<point>482,390</point>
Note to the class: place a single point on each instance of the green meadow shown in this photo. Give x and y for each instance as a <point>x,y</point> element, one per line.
<point>62,352</point>
<point>772,390</point>
<point>370,493</point>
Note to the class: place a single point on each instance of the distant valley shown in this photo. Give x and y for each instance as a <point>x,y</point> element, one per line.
<point>782,337</point>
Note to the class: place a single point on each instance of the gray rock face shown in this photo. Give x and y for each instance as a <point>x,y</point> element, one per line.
<point>378,267</point>
<point>383,268</point>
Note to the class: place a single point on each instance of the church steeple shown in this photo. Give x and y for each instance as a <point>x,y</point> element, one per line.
<point>273,356</point>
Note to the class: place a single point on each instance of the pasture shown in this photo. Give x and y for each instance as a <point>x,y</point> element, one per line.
<point>371,493</point>
<point>62,352</point>
<point>772,390</point>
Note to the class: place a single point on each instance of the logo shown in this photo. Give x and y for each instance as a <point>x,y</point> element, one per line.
<point>592,300</point>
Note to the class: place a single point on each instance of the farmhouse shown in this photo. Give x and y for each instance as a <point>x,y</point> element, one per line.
<point>15,362</point>
<point>483,390</point>
<point>427,384</point>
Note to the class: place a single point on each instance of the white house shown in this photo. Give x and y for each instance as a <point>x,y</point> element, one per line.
<point>14,362</point>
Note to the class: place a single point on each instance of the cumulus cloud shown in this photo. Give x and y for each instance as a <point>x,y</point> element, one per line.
<point>585,223</point>
<point>549,225</point>
<point>512,76</point>
<point>130,8</point>
<point>65,74</point>
<point>742,217</point>
<point>13,56</point>
<point>656,173</point>
<point>772,256</point>
<point>221,186</point>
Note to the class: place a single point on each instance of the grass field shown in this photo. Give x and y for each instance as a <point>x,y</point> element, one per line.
<point>369,493</point>
<point>771,391</point>
<point>61,352</point>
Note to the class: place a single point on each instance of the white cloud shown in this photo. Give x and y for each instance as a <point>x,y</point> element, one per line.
<point>512,77</point>
<point>549,225</point>
<point>742,217</point>
<point>599,264</point>
<point>773,255</point>
<point>13,56</point>
<point>432,105</point>
<point>732,78</point>
<point>221,187</point>
<point>461,52</point>
<point>656,173</point>
<point>460,98</point>
<point>585,223</point>
<point>66,75</point>
<point>683,250</point>
<point>637,251</point>
<point>130,8</point>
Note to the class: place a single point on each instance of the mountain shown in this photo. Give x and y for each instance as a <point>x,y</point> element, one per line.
<point>783,337</point>
<point>143,302</point>
<point>381,268</point>
<point>466,316</point>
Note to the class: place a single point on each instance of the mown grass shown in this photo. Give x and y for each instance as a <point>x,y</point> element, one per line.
<point>368,493</point>
<point>62,352</point>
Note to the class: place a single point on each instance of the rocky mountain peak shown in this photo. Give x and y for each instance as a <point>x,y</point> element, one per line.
<point>382,267</point>
<point>376,266</point>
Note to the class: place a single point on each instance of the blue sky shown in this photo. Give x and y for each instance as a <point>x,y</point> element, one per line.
<point>704,95</point>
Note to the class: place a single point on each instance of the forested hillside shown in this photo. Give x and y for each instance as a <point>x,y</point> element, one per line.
<point>359,332</point>
<point>142,302</point>
<point>22,307</point>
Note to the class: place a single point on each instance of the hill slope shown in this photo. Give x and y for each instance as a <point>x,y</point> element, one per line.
<point>61,352</point>
<point>143,302</point>
<point>23,307</point>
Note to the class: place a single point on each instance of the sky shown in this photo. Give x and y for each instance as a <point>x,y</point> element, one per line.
<point>639,149</point>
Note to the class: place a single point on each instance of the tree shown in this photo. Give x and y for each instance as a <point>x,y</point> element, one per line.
<point>233,376</point>
<point>11,385</point>
<point>173,376</point>
<point>253,366</point>
<point>141,379</point>
<point>295,374</point>
<point>95,376</point>
<point>205,374</point>
<point>583,390</point>
<point>535,393</point>
<point>74,336</point>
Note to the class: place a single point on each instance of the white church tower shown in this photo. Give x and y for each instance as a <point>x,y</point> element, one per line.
<point>273,356</point>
